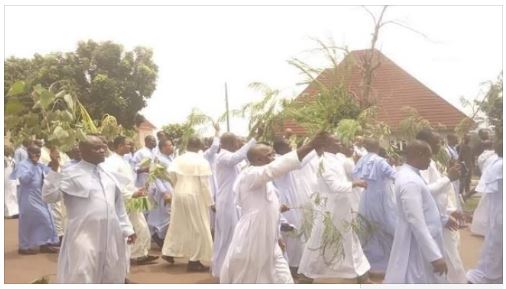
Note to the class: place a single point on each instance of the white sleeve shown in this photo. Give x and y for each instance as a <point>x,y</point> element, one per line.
<point>51,192</point>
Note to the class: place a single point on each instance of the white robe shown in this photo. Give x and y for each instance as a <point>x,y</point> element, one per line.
<point>93,250</point>
<point>489,268</point>
<point>481,214</point>
<point>123,172</point>
<point>333,185</point>
<point>227,213</point>
<point>254,255</point>
<point>10,190</point>
<point>189,234</point>
<point>446,199</point>
<point>57,209</point>
<point>293,198</point>
<point>210,155</point>
<point>138,158</point>
<point>418,238</point>
<point>349,165</point>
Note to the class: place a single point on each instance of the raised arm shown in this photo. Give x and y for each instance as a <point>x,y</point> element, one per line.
<point>51,192</point>
<point>213,149</point>
<point>233,159</point>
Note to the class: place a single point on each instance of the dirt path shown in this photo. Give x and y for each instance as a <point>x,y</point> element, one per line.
<point>25,269</point>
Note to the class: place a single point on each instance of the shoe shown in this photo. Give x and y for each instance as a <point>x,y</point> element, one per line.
<point>196,267</point>
<point>169,259</point>
<point>49,249</point>
<point>157,240</point>
<point>128,281</point>
<point>27,252</point>
<point>144,260</point>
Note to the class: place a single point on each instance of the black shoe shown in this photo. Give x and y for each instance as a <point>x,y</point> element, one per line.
<point>144,260</point>
<point>128,281</point>
<point>196,267</point>
<point>169,259</point>
<point>27,252</point>
<point>157,240</point>
<point>50,249</point>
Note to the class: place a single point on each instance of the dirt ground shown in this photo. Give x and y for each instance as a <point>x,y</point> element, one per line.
<point>26,269</point>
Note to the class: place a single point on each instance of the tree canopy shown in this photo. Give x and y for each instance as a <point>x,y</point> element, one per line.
<point>105,77</point>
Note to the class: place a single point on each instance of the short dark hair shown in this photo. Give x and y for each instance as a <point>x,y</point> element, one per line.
<point>119,140</point>
<point>162,143</point>
<point>425,134</point>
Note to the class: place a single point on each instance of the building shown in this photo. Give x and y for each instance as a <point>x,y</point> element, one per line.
<point>391,90</point>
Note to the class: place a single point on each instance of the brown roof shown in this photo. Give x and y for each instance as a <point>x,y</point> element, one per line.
<point>392,89</point>
<point>146,124</point>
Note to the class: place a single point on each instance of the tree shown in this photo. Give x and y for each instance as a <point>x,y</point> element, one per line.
<point>492,105</point>
<point>106,78</point>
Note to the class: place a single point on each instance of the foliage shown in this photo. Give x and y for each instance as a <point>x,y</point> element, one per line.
<point>177,133</point>
<point>412,124</point>
<point>492,105</point>
<point>106,78</point>
<point>463,127</point>
<point>156,171</point>
<point>265,115</point>
<point>54,114</point>
<point>347,130</point>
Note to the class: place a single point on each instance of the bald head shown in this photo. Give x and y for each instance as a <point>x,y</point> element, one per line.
<point>93,149</point>
<point>260,154</point>
<point>228,141</point>
<point>418,154</point>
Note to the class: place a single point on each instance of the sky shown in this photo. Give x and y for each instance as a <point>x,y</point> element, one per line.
<point>200,48</point>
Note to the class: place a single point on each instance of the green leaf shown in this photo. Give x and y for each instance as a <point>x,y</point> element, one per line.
<point>60,133</point>
<point>14,106</point>
<point>45,97</point>
<point>70,102</point>
<point>17,88</point>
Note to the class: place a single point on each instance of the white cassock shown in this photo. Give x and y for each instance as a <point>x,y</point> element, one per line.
<point>139,156</point>
<point>121,169</point>
<point>210,155</point>
<point>57,209</point>
<point>93,250</point>
<point>293,197</point>
<point>227,213</point>
<point>349,165</point>
<point>333,186</point>
<point>418,238</point>
<point>446,199</point>
<point>189,234</point>
<point>10,189</point>
<point>481,214</point>
<point>489,268</point>
<point>254,255</point>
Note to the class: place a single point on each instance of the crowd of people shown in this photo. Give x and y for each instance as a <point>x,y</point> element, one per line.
<point>241,207</point>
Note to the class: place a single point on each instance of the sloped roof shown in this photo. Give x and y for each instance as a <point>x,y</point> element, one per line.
<point>392,89</point>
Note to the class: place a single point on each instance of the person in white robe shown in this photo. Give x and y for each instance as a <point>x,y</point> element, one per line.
<point>290,196</point>
<point>93,250</point>
<point>417,255</point>
<point>335,190</point>
<point>11,207</point>
<point>446,199</point>
<point>189,234</point>
<point>346,157</point>
<point>254,254</point>
<point>376,205</point>
<point>481,214</point>
<point>358,148</point>
<point>143,154</point>
<point>226,215</point>
<point>137,253</point>
<point>210,154</point>
<point>490,263</point>
<point>161,194</point>
<point>49,152</point>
